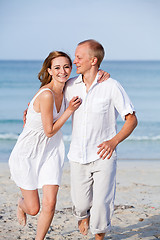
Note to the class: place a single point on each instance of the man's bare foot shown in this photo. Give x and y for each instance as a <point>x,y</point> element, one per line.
<point>99,236</point>
<point>21,215</point>
<point>83,226</point>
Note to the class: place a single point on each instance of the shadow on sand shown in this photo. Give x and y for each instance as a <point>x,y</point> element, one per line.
<point>147,229</point>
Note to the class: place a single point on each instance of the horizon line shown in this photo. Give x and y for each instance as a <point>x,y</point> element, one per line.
<point>123,60</point>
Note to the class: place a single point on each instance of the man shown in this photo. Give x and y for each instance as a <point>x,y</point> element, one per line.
<point>92,153</point>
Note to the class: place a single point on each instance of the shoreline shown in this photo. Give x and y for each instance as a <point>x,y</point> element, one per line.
<point>136,213</point>
<point>5,160</point>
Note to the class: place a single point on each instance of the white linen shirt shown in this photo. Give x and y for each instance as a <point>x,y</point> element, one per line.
<point>95,120</point>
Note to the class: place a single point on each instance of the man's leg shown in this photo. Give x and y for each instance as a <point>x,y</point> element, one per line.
<point>83,225</point>
<point>99,236</point>
<point>104,175</point>
<point>81,193</point>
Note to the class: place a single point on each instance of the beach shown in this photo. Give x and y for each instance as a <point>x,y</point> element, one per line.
<point>136,215</point>
<point>137,202</point>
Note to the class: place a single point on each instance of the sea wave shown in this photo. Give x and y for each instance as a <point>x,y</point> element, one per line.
<point>144,138</point>
<point>8,136</point>
<point>67,138</point>
<point>6,121</point>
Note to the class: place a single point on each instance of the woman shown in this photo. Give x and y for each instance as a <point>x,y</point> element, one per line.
<point>37,158</point>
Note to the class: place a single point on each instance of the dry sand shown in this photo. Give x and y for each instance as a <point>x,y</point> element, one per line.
<point>137,206</point>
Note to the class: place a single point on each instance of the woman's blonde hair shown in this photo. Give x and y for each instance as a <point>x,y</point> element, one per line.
<point>43,75</point>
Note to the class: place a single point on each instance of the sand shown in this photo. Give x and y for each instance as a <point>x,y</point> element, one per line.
<point>137,206</point>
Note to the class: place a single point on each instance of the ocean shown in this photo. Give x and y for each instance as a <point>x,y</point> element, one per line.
<point>140,79</point>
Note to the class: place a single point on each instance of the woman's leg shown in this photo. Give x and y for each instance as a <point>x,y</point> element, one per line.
<point>29,204</point>
<point>48,209</point>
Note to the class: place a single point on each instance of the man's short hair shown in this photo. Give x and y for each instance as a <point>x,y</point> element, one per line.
<point>96,49</point>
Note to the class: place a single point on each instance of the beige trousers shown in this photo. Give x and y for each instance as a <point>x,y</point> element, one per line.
<point>93,188</point>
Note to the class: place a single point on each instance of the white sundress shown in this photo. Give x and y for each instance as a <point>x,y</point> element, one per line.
<point>37,160</point>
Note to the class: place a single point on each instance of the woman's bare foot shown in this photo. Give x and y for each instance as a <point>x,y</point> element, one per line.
<point>21,215</point>
<point>83,226</point>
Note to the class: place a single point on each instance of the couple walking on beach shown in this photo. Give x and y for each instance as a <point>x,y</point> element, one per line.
<point>94,100</point>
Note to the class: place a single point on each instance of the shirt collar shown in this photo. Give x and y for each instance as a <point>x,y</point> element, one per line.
<point>79,79</point>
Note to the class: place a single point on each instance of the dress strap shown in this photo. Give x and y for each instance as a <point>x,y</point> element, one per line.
<point>42,90</point>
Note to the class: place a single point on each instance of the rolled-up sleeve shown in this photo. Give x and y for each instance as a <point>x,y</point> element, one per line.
<point>121,101</point>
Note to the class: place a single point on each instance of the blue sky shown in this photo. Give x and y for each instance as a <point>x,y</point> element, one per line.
<point>128,29</point>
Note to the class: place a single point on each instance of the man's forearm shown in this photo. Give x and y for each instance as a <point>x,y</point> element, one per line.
<point>128,127</point>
